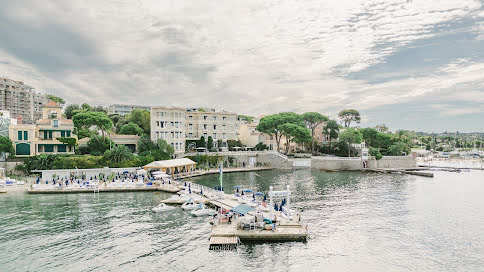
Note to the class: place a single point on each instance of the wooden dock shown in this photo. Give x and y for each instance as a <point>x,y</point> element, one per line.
<point>280,234</point>
<point>224,242</point>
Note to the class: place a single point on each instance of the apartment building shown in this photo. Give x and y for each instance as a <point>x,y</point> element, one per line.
<point>23,102</point>
<point>169,124</point>
<point>220,125</point>
<point>124,110</point>
<point>176,125</point>
<point>42,138</point>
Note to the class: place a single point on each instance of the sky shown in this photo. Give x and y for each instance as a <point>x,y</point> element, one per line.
<point>412,64</point>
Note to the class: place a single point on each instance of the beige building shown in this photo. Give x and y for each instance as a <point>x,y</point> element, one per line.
<point>22,101</point>
<point>169,124</point>
<point>42,138</point>
<point>250,137</point>
<point>208,122</point>
<point>176,125</point>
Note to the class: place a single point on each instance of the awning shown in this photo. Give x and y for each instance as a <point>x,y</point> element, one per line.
<point>242,209</point>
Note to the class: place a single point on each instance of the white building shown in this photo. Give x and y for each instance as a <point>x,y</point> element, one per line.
<point>124,110</point>
<point>176,125</point>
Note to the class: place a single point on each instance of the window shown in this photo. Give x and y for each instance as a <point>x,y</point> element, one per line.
<point>214,127</point>
<point>176,124</point>
<point>205,135</point>
<point>215,136</point>
<point>20,136</point>
<point>190,135</point>
<point>162,124</point>
<point>224,127</point>
<point>204,126</point>
<point>224,118</point>
<point>190,117</point>
<point>63,134</point>
<point>215,118</point>
<point>68,133</point>
<point>190,127</point>
<point>204,117</point>
<point>224,136</point>
<point>55,123</point>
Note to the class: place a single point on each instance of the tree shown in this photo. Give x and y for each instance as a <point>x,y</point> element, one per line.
<point>118,154</point>
<point>85,120</point>
<point>209,143</point>
<point>219,143</point>
<point>71,110</point>
<point>141,118</point>
<point>163,146</point>
<point>332,130</point>
<point>382,128</point>
<point>312,120</point>
<point>97,145</point>
<point>369,135</point>
<point>348,116</point>
<point>57,99</point>
<point>6,145</point>
<point>271,124</point>
<point>146,144</point>
<point>261,146</point>
<point>131,129</point>
<point>350,136</point>
<point>294,133</point>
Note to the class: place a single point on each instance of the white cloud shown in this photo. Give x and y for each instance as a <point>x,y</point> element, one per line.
<point>251,57</point>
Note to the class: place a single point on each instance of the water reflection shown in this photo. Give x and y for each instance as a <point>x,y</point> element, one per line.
<point>356,220</point>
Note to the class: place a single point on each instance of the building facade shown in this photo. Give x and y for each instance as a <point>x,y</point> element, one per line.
<point>177,125</point>
<point>22,101</point>
<point>250,136</point>
<point>169,124</point>
<point>124,110</point>
<point>210,123</point>
<point>43,137</point>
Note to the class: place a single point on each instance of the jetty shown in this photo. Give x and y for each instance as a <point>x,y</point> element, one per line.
<point>408,171</point>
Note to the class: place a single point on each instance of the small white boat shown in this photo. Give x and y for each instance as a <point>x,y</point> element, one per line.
<point>189,205</point>
<point>201,210</point>
<point>162,207</point>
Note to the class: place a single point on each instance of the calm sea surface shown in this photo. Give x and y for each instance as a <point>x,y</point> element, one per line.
<point>357,222</point>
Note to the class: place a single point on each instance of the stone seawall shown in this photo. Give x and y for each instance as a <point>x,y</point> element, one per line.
<point>393,162</point>
<point>332,163</point>
<point>10,167</point>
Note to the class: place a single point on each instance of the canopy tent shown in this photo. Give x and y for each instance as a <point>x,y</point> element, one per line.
<point>242,209</point>
<point>172,167</point>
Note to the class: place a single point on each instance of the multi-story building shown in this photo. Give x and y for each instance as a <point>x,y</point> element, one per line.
<point>124,110</point>
<point>250,136</point>
<point>22,101</point>
<point>169,124</point>
<point>43,137</point>
<point>176,125</point>
<point>220,125</point>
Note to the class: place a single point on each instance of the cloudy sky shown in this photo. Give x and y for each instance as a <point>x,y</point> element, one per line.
<point>412,64</point>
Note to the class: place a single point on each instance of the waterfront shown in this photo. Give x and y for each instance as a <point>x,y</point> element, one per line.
<point>357,221</point>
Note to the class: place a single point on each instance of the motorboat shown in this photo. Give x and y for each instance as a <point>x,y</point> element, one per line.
<point>163,207</point>
<point>189,205</point>
<point>201,210</point>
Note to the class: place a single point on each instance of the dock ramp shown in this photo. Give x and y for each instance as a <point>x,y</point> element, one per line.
<point>224,242</point>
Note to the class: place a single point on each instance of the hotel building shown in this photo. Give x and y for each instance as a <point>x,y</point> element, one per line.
<point>176,125</point>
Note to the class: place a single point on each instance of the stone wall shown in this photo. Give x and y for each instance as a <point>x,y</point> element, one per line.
<point>10,167</point>
<point>335,163</point>
<point>393,162</point>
